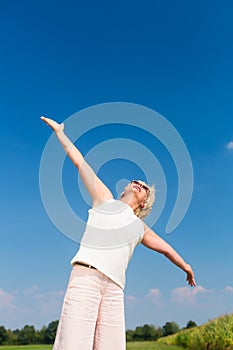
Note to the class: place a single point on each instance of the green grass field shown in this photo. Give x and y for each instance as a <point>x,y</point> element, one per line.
<point>130,346</point>
<point>27,347</point>
<point>150,346</point>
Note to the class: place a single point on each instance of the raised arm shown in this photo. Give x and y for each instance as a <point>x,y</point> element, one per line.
<point>97,189</point>
<point>153,241</point>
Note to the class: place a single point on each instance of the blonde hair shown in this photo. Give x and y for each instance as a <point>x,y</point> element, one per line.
<point>143,212</point>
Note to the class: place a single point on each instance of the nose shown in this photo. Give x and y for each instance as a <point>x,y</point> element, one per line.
<point>139,186</point>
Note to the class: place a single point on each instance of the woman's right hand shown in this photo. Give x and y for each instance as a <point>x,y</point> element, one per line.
<point>54,125</point>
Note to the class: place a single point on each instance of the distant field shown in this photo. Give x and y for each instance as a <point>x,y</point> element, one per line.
<point>130,346</point>
<point>27,347</point>
<point>150,346</point>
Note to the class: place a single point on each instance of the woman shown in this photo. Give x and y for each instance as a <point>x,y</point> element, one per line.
<point>92,316</point>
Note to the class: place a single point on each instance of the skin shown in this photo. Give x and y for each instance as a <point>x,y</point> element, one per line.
<point>133,195</point>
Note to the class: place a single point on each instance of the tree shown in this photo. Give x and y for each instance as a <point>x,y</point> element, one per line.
<point>50,332</point>
<point>170,328</point>
<point>146,332</point>
<point>3,335</point>
<point>138,334</point>
<point>12,337</point>
<point>158,333</point>
<point>15,336</point>
<point>129,335</point>
<point>40,335</point>
<point>149,332</point>
<point>191,324</point>
<point>27,335</point>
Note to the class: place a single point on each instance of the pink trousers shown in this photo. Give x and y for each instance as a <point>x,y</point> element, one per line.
<point>92,316</point>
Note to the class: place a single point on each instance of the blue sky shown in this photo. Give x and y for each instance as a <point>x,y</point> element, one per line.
<point>174,57</point>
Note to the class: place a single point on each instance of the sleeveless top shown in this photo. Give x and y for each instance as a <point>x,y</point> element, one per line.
<point>112,232</point>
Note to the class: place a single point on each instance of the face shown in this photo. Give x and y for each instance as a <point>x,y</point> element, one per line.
<point>140,185</point>
<point>139,189</point>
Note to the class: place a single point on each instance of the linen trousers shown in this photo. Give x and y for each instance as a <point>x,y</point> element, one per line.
<point>92,316</point>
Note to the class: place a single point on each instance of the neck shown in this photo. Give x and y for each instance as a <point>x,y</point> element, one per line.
<point>130,200</point>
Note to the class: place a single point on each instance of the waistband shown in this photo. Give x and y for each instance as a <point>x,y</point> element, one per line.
<point>85,265</point>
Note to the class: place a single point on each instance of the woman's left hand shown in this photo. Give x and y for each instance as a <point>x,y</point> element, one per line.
<point>190,276</point>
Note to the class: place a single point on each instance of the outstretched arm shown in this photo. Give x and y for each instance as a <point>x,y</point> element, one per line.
<point>97,189</point>
<point>153,241</point>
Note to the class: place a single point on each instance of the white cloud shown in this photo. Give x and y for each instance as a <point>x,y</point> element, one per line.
<point>186,294</point>
<point>152,297</point>
<point>30,291</point>
<point>50,301</point>
<point>39,307</point>
<point>39,296</point>
<point>57,294</point>
<point>30,306</point>
<point>50,306</point>
<point>155,296</point>
<point>50,295</point>
<point>131,299</point>
<point>154,292</point>
<point>230,145</point>
<point>6,300</point>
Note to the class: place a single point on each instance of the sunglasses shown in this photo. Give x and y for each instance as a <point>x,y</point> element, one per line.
<point>141,185</point>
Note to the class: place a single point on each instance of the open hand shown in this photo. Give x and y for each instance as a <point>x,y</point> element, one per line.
<point>54,125</point>
<point>190,277</point>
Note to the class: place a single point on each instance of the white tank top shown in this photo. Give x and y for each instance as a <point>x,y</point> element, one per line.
<point>111,235</point>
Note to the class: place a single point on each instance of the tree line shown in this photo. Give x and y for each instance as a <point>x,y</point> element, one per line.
<point>46,335</point>
<point>28,335</point>
<point>151,332</point>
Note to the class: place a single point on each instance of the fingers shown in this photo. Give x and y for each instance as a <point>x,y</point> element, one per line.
<point>44,119</point>
<point>48,121</point>
<point>192,283</point>
<point>53,124</point>
<point>190,280</point>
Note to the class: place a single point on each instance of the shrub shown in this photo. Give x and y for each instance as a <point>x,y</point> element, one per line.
<point>215,335</point>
